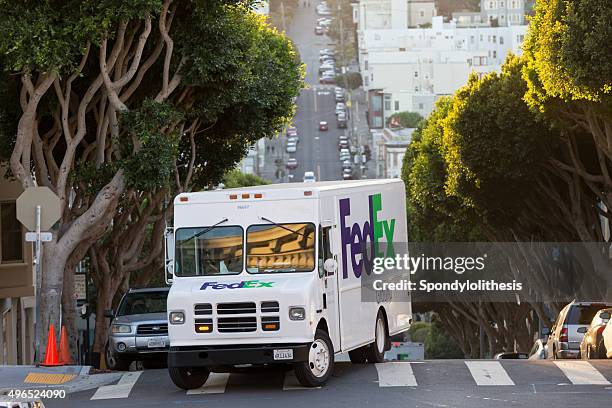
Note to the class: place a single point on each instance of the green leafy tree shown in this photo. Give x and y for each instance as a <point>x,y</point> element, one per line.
<point>438,344</point>
<point>350,80</point>
<point>235,178</point>
<point>112,105</point>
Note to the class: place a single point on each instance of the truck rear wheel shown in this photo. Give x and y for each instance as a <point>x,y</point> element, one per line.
<point>376,351</point>
<point>188,378</point>
<point>320,365</point>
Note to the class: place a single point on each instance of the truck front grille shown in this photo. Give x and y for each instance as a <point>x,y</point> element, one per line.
<point>236,324</point>
<point>236,308</point>
<point>152,329</point>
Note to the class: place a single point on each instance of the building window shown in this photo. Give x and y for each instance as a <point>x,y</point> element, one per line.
<point>501,39</point>
<point>501,4</point>
<point>365,65</point>
<point>421,106</point>
<point>11,249</point>
<point>422,13</point>
<point>471,39</point>
<point>396,105</point>
<point>481,37</point>
<point>491,5</point>
<point>494,54</point>
<point>387,103</point>
<point>469,62</point>
<point>366,81</point>
<point>416,88</point>
<point>494,39</point>
<point>416,74</point>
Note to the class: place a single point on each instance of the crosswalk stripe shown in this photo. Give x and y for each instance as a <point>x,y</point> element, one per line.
<point>216,384</point>
<point>395,374</point>
<point>489,373</point>
<point>581,373</point>
<point>120,390</point>
<point>291,383</point>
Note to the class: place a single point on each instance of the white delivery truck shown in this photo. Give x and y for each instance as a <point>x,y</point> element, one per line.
<point>271,274</point>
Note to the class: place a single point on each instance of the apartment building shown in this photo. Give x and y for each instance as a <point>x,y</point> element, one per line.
<point>393,14</point>
<point>16,281</point>
<point>389,150</point>
<point>503,13</point>
<point>409,69</point>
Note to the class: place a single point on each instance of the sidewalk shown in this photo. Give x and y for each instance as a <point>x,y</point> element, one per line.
<point>69,378</point>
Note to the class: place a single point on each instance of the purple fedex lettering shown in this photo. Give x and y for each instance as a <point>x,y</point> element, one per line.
<point>357,238</point>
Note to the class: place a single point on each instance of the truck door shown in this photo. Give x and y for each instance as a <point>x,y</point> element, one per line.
<point>330,286</point>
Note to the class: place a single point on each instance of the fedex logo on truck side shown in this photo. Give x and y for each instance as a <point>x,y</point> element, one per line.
<point>356,236</point>
<point>237,285</point>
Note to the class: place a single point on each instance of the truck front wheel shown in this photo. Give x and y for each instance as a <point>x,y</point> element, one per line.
<point>376,351</point>
<point>320,365</point>
<point>188,378</point>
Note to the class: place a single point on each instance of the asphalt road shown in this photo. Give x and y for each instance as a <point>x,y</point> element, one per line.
<point>317,151</point>
<point>439,383</point>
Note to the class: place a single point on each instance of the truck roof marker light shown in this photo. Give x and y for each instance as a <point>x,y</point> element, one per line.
<point>257,195</point>
<point>233,196</point>
<point>183,199</point>
<point>246,195</point>
<point>307,193</point>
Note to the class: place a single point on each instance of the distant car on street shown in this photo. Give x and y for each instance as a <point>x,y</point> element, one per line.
<point>347,174</point>
<point>318,30</point>
<point>592,345</point>
<point>292,131</point>
<point>323,126</point>
<point>564,338</point>
<point>292,163</point>
<point>309,177</point>
<point>291,147</point>
<point>327,79</point>
<point>139,329</point>
<point>346,164</point>
<point>293,139</point>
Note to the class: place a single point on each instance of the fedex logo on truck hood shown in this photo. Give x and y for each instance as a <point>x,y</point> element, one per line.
<point>355,237</point>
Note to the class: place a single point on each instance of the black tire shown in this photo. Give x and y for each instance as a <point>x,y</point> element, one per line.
<point>308,373</point>
<point>188,378</point>
<point>358,356</point>
<point>376,351</point>
<point>115,362</point>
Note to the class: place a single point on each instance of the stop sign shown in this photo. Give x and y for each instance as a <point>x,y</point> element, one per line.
<point>49,208</point>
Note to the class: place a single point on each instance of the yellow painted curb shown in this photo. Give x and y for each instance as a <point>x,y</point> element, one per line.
<point>42,378</point>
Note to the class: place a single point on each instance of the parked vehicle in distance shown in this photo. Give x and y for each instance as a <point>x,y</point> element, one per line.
<point>292,163</point>
<point>292,131</point>
<point>347,174</point>
<point>592,345</point>
<point>291,147</point>
<point>607,338</point>
<point>323,126</point>
<point>327,79</point>
<point>293,139</point>
<point>139,329</point>
<point>318,30</point>
<point>538,351</point>
<point>564,338</point>
<point>511,355</point>
<point>343,144</point>
<point>309,177</point>
<point>326,51</point>
<point>346,164</point>
<point>339,96</point>
<point>340,108</point>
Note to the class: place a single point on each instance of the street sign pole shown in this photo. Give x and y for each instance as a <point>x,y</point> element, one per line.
<point>38,324</point>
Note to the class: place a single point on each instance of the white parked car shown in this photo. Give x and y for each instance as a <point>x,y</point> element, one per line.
<point>291,147</point>
<point>309,177</point>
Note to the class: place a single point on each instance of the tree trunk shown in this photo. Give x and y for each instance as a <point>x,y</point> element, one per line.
<point>103,302</point>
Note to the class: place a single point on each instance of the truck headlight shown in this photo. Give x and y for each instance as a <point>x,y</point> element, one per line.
<point>297,313</point>
<point>121,328</point>
<point>177,317</point>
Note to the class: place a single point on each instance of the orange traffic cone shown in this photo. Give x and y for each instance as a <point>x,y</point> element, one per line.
<point>64,352</point>
<point>51,357</point>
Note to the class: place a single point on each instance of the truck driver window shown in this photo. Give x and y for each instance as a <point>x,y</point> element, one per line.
<point>209,251</point>
<point>324,249</point>
<point>280,248</point>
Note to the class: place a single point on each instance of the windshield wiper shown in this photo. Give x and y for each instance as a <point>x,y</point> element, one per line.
<point>282,226</point>
<point>207,229</point>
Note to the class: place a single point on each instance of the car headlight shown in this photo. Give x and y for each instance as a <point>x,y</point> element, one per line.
<point>297,313</point>
<point>121,328</point>
<point>177,318</point>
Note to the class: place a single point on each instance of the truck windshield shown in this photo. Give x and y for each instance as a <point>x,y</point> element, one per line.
<point>273,248</point>
<point>209,251</point>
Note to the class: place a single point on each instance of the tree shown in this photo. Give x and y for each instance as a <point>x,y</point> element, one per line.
<point>404,119</point>
<point>113,100</point>
<point>350,80</point>
<point>235,178</point>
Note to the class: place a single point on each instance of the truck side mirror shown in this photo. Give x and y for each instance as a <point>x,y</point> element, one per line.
<point>108,313</point>
<point>330,266</point>
<point>545,331</point>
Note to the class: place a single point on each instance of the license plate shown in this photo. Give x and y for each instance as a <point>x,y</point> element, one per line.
<point>283,354</point>
<point>154,343</point>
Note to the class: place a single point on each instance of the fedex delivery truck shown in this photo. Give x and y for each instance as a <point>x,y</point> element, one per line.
<point>272,275</point>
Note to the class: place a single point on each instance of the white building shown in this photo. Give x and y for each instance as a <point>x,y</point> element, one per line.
<point>389,150</point>
<point>409,69</point>
<point>393,14</point>
<point>503,12</point>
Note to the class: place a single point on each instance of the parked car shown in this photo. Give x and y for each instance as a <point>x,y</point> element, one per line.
<point>340,107</point>
<point>511,355</point>
<point>607,338</point>
<point>538,351</point>
<point>564,338</point>
<point>309,177</point>
<point>341,122</point>
<point>339,96</point>
<point>592,345</point>
<point>292,163</point>
<point>138,330</point>
<point>343,144</point>
<point>326,51</point>
<point>346,164</point>
<point>318,30</point>
<point>347,174</point>
<point>291,147</point>
<point>323,126</point>
<point>292,131</point>
<point>327,79</point>
<point>293,139</point>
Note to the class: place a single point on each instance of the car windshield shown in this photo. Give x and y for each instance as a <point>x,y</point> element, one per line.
<point>142,303</point>
<point>209,251</point>
<point>280,248</point>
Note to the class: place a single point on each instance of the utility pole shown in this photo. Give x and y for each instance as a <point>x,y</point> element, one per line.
<point>282,6</point>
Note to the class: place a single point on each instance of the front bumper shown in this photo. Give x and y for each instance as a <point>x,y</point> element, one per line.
<point>200,356</point>
<point>138,344</point>
<point>568,353</point>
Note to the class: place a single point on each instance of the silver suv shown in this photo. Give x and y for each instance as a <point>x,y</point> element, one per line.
<point>565,336</point>
<point>139,329</point>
